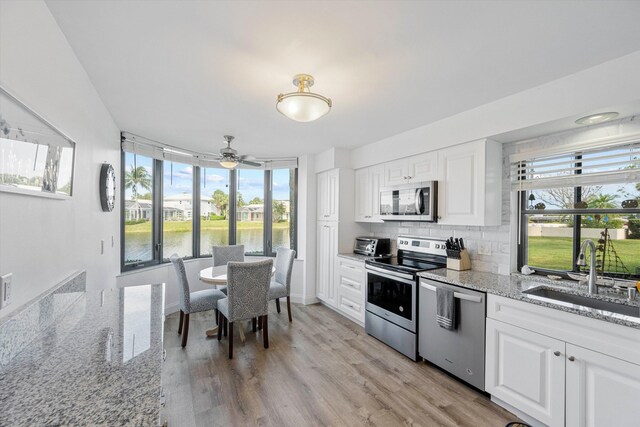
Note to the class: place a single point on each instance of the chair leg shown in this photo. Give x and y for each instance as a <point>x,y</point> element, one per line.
<point>265,332</point>
<point>278,305</point>
<point>253,324</point>
<point>225,323</point>
<point>181,320</point>
<point>216,316</point>
<point>220,322</point>
<point>289,308</point>
<point>185,333</point>
<point>230,340</point>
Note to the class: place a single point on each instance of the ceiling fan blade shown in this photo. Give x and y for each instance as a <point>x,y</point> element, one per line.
<point>249,163</point>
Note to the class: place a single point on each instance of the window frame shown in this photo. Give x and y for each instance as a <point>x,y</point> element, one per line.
<point>157,214</point>
<point>524,212</point>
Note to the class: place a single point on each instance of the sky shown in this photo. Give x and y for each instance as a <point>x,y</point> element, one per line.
<point>178,178</point>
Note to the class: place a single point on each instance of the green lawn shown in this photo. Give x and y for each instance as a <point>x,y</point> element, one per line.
<point>556,253</point>
<point>185,226</point>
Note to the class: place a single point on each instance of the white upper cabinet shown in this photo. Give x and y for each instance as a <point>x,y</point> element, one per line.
<point>470,184</point>
<point>328,195</point>
<point>423,167</point>
<point>368,183</point>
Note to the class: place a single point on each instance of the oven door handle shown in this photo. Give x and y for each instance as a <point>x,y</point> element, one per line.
<point>401,277</point>
<point>458,295</point>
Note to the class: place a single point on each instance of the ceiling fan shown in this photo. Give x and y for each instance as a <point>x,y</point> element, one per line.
<point>229,157</point>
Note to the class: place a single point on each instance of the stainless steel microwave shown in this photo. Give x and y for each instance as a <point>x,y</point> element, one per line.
<point>410,202</point>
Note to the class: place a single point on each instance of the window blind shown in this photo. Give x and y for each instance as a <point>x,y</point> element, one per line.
<point>616,163</point>
<point>136,144</point>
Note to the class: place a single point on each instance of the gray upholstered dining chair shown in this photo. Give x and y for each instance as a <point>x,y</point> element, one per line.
<point>248,292</point>
<point>223,254</point>
<point>192,302</point>
<point>281,284</point>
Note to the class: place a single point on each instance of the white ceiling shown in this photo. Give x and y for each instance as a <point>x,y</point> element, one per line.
<point>186,73</point>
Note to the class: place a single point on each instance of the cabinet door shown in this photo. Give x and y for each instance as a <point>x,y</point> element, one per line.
<point>526,370</point>
<point>376,181</point>
<point>327,250</point>
<point>423,167</point>
<point>332,195</point>
<point>322,196</point>
<point>396,172</point>
<point>461,185</point>
<point>321,256</point>
<point>601,390</point>
<point>363,195</point>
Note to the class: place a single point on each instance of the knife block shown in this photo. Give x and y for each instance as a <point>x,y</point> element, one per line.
<point>464,263</point>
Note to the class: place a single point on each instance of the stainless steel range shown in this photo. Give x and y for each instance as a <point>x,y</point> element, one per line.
<point>392,292</point>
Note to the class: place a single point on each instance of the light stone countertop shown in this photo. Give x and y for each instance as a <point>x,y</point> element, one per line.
<point>357,257</point>
<point>98,364</point>
<point>513,286</point>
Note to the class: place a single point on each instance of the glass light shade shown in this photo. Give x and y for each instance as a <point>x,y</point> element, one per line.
<point>229,164</point>
<point>303,106</point>
<point>596,118</point>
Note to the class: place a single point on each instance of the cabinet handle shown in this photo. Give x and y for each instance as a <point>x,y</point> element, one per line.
<point>556,353</point>
<point>571,358</point>
<point>164,354</point>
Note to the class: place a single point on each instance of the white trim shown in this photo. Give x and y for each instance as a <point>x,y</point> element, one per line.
<point>22,191</point>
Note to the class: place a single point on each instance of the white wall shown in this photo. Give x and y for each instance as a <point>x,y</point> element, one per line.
<point>42,241</point>
<point>612,83</point>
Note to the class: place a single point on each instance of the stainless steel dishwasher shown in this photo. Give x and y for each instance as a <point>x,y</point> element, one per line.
<point>459,351</point>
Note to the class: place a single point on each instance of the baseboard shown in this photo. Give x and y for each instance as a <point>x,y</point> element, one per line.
<point>524,417</point>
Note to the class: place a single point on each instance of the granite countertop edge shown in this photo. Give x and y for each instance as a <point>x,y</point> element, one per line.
<point>512,286</point>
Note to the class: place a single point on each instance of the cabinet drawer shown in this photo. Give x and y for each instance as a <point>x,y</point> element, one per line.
<point>352,269</point>
<point>350,307</point>
<point>349,284</point>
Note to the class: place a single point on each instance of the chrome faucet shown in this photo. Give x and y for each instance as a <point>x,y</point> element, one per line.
<point>581,262</point>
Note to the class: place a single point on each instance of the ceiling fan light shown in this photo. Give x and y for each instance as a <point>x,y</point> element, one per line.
<point>303,106</point>
<point>228,163</point>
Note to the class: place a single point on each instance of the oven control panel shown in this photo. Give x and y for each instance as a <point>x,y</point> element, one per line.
<point>422,245</point>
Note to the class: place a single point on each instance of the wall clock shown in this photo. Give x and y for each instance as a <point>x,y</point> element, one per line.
<point>107,187</point>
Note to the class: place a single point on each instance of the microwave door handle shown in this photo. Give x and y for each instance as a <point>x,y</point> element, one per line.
<point>419,201</point>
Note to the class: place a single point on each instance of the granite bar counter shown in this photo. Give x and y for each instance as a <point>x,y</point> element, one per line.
<point>99,364</point>
<point>513,286</point>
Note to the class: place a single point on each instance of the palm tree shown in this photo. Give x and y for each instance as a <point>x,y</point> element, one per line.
<point>602,201</point>
<point>137,176</point>
<point>133,178</point>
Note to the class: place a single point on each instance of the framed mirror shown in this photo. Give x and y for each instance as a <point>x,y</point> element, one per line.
<point>35,157</point>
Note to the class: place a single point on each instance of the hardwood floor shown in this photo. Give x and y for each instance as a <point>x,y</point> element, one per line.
<point>321,369</point>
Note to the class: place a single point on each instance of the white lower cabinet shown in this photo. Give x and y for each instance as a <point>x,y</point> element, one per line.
<point>526,370</point>
<point>327,238</point>
<point>551,365</point>
<point>601,390</point>
<point>350,277</point>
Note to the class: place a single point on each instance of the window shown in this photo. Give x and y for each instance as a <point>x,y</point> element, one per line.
<point>282,215</point>
<point>177,209</point>
<point>138,242</point>
<point>185,203</point>
<point>568,198</point>
<point>214,209</point>
<point>250,210</point>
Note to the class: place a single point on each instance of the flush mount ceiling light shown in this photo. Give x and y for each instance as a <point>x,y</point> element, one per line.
<point>303,105</point>
<point>596,118</point>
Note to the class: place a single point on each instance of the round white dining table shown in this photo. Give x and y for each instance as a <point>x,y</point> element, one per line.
<point>218,276</point>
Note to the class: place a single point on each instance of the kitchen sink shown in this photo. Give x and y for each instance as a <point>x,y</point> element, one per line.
<point>556,296</point>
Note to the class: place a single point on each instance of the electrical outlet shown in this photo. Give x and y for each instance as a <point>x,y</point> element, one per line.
<point>5,290</point>
<point>484,248</point>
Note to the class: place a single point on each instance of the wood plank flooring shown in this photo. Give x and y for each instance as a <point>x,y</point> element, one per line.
<point>322,369</point>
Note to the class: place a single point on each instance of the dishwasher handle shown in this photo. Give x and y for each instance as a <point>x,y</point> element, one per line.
<point>458,295</point>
